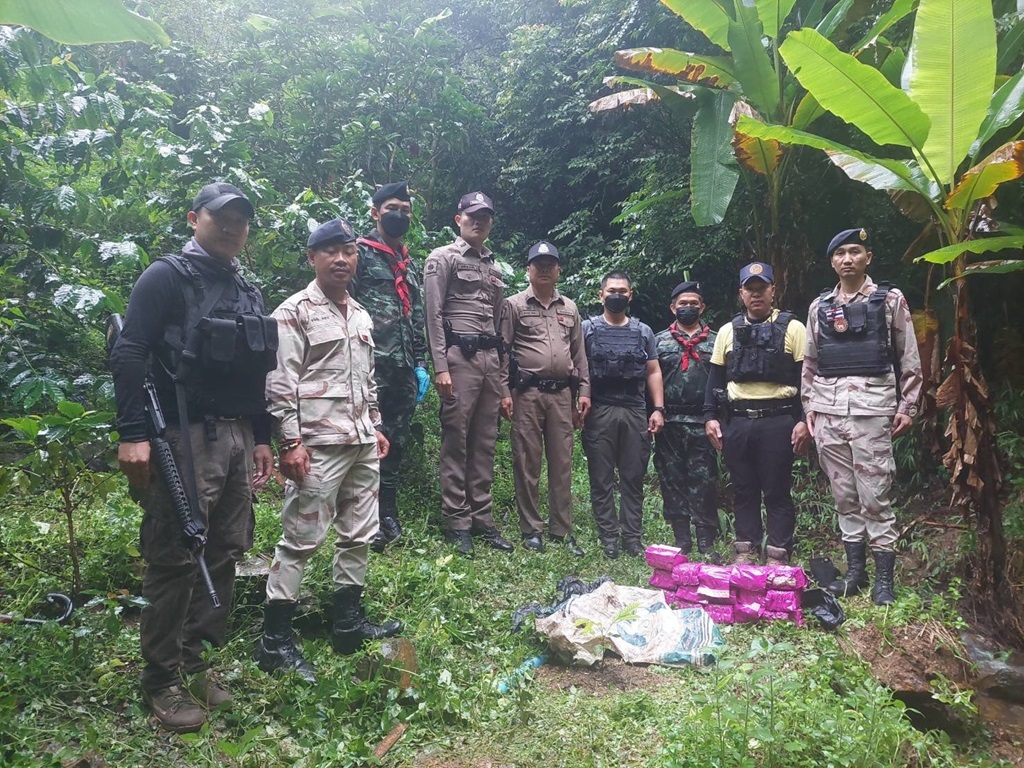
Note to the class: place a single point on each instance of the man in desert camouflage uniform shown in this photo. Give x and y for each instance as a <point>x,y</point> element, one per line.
<point>388,285</point>
<point>324,401</point>
<point>861,383</point>
<point>685,460</point>
<point>463,290</point>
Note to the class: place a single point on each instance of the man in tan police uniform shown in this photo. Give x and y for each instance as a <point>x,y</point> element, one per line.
<point>547,367</point>
<point>463,291</point>
<point>324,401</point>
<point>861,384</point>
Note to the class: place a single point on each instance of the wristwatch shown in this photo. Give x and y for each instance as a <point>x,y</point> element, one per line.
<point>660,409</point>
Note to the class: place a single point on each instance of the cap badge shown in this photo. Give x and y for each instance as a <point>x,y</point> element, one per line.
<point>863,234</point>
<point>755,269</point>
<point>479,198</point>
<point>346,229</point>
<point>543,248</point>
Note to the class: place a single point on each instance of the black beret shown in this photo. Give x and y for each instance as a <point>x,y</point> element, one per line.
<point>687,286</point>
<point>330,231</point>
<point>398,190</point>
<point>858,236</point>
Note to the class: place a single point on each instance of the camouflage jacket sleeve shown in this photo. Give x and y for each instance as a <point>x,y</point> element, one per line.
<point>810,368</point>
<point>907,353</point>
<point>417,316</point>
<point>283,381</point>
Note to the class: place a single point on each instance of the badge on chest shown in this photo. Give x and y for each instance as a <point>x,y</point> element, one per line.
<point>837,316</point>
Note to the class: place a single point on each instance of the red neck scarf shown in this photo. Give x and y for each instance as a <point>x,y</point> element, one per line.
<point>399,268</point>
<point>689,345</point>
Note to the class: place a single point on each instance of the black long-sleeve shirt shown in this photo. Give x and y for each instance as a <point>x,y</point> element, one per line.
<point>158,301</point>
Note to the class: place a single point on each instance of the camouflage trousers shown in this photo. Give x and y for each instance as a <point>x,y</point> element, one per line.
<point>340,491</point>
<point>855,453</point>
<point>396,398</point>
<point>687,473</point>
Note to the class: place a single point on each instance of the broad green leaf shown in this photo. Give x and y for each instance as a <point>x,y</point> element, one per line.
<point>807,111</point>
<point>987,268</point>
<point>834,18</point>
<point>1005,164</point>
<point>950,73</point>
<point>75,22</point>
<point>706,16</point>
<point>1006,106</point>
<point>715,71</point>
<point>761,156</point>
<point>751,64</point>
<point>893,65</point>
<point>987,245</point>
<point>853,91</point>
<point>70,409</point>
<point>880,173</point>
<point>899,10</point>
<point>713,171</point>
<point>1009,46</point>
<point>773,14</point>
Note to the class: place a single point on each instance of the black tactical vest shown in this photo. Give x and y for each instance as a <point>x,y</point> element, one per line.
<point>616,351</point>
<point>226,347</point>
<point>853,339</point>
<point>759,351</point>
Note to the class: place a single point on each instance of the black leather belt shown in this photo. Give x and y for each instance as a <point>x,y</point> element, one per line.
<point>762,409</point>
<point>546,385</point>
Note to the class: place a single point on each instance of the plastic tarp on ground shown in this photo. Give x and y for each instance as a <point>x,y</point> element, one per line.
<point>635,623</point>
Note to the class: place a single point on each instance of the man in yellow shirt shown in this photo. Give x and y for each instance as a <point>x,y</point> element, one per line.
<point>753,414</point>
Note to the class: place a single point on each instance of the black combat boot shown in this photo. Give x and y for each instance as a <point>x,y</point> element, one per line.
<point>681,533</point>
<point>351,627</point>
<point>884,591</point>
<point>706,537</point>
<point>390,529</point>
<point>856,577</point>
<point>277,649</point>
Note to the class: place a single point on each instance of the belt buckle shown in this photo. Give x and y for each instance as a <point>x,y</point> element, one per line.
<point>753,413</point>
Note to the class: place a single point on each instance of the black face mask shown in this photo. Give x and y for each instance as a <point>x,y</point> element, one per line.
<point>616,302</point>
<point>395,223</point>
<point>687,316</point>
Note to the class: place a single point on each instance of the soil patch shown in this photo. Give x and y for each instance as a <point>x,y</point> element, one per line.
<point>611,676</point>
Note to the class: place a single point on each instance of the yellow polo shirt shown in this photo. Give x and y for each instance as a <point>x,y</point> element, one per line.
<point>796,343</point>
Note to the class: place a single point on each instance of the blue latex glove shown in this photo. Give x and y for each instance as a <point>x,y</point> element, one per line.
<point>422,382</point>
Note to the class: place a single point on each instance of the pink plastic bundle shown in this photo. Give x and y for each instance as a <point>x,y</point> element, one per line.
<point>720,614</point>
<point>715,576</point>
<point>687,574</point>
<point>662,580</point>
<point>684,594</point>
<point>749,578</point>
<point>782,600</point>
<point>664,558</point>
<point>748,610</point>
<point>785,577</point>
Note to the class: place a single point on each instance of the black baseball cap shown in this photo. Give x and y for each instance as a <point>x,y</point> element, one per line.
<point>757,270</point>
<point>543,248</point>
<point>475,201</point>
<point>215,196</point>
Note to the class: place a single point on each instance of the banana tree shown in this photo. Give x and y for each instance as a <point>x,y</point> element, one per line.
<point>750,79</point>
<point>81,22</point>
<point>942,123</point>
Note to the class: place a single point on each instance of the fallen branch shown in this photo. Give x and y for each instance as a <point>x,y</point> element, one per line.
<point>390,740</point>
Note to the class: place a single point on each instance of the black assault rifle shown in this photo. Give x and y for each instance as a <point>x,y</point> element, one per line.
<point>184,503</point>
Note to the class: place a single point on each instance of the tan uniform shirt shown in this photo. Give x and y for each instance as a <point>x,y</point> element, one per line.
<point>866,395</point>
<point>464,287</point>
<point>323,388</point>
<point>547,341</point>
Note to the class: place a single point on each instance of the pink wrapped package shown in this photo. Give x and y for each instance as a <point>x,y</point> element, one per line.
<point>797,617</point>
<point>748,611</point>
<point>750,578</point>
<point>664,558</point>
<point>786,577</point>
<point>687,594</point>
<point>715,577</point>
<point>714,595</point>
<point>687,574</point>
<point>720,614</point>
<point>662,580</point>
<point>781,600</point>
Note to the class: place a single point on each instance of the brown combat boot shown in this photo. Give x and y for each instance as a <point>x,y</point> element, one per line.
<point>746,553</point>
<point>207,690</point>
<point>776,556</point>
<point>175,709</point>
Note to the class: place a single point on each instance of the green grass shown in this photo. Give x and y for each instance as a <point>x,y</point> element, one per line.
<point>780,695</point>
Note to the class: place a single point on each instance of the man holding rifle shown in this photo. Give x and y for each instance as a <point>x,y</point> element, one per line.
<point>197,332</point>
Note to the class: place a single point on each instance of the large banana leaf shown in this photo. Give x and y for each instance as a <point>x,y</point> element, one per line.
<point>773,14</point>
<point>706,16</point>
<point>761,156</point>
<point>715,71</point>
<point>988,268</point>
<point>828,25</point>
<point>1005,164</point>
<point>989,244</point>
<point>751,63</point>
<point>76,22</point>
<point>1009,46</point>
<point>1006,106</point>
<point>897,11</point>
<point>853,91</point>
<point>713,171</point>
<point>682,103</point>
<point>877,172</point>
<point>950,73</point>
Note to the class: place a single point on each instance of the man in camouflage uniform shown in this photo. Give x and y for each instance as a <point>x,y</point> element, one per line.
<point>324,401</point>
<point>388,285</point>
<point>463,291</point>
<point>861,383</point>
<point>685,460</point>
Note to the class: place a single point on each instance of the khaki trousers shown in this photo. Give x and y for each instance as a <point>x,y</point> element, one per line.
<point>340,492</point>
<point>542,423</point>
<point>855,453</point>
<point>469,430</point>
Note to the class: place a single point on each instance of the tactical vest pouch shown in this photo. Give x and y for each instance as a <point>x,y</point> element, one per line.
<point>856,317</point>
<point>219,341</point>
